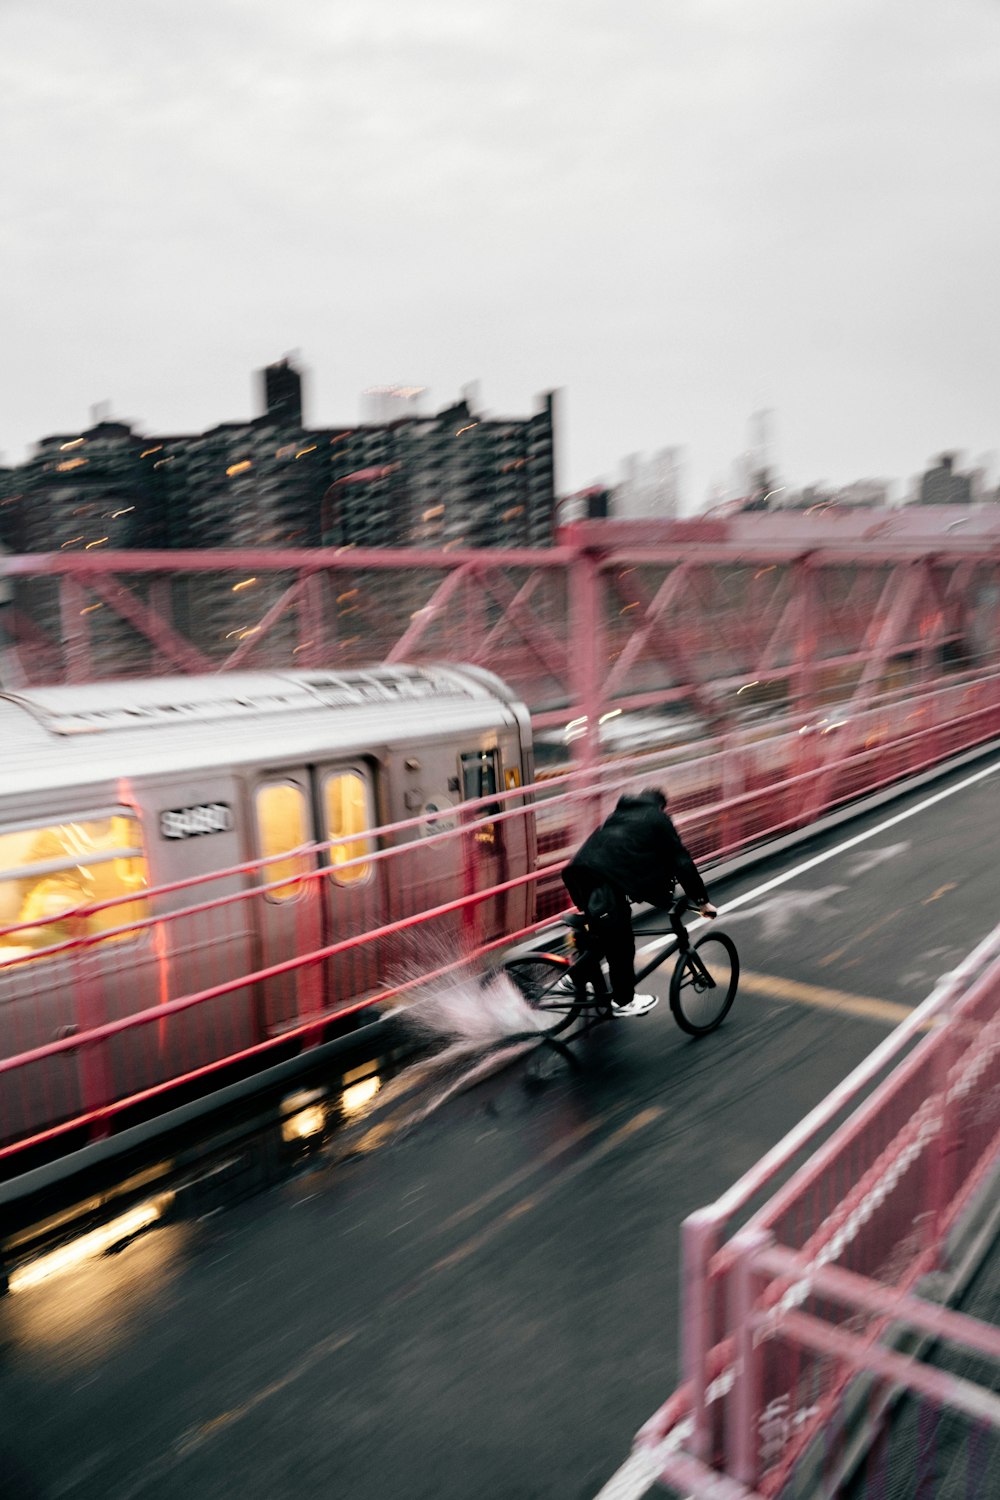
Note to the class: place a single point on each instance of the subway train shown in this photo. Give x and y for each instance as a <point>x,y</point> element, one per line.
<point>127,792</point>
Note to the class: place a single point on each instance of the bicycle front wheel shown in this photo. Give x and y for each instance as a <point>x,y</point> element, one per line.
<point>544,981</point>
<point>703,984</point>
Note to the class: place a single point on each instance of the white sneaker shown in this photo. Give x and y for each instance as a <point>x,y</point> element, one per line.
<point>564,986</point>
<point>637,1006</point>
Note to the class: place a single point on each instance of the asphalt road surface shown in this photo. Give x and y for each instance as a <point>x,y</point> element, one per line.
<point>482,1302</point>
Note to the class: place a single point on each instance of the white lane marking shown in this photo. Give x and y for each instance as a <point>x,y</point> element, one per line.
<point>875,857</point>
<point>778,914</point>
<point>819,859</point>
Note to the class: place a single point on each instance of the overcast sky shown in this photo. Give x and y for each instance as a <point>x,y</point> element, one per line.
<point>677,212</point>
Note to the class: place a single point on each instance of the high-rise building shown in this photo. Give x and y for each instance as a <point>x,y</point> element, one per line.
<point>283,394</point>
<point>99,489</point>
<point>89,489</point>
<point>11,513</point>
<point>650,490</point>
<point>457,479</point>
<point>944,485</point>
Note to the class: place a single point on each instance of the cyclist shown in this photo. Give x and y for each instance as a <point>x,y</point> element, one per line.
<point>637,852</point>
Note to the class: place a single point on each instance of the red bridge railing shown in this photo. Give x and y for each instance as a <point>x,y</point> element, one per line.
<point>806,1326</point>
<point>121,1012</point>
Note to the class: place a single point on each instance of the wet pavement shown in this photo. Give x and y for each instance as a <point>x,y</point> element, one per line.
<point>480,1299</point>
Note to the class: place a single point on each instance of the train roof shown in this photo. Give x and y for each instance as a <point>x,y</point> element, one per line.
<point>106,730</point>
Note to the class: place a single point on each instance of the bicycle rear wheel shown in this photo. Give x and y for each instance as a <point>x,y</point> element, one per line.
<point>703,984</point>
<point>543,979</point>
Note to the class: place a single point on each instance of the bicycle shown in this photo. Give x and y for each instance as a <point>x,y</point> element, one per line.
<point>702,986</point>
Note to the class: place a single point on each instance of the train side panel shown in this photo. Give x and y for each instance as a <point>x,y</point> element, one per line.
<point>302,784</point>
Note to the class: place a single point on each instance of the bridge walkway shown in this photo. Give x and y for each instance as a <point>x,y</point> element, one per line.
<point>481,1299</point>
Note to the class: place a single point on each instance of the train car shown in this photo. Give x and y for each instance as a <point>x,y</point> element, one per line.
<point>120,792</point>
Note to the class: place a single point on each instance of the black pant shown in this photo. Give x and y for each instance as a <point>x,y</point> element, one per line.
<point>609,920</point>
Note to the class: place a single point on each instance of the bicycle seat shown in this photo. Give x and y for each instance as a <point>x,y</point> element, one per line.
<point>575,920</point>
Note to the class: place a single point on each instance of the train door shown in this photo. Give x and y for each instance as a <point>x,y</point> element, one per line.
<point>353,899</point>
<point>486,856</point>
<point>289,914</point>
<point>313,897</point>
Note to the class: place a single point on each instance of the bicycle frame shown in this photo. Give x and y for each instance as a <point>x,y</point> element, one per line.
<point>570,988</point>
<point>586,969</point>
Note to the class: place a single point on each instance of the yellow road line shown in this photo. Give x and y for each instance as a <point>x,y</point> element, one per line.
<point>859,937</point>
<point>822,998</point>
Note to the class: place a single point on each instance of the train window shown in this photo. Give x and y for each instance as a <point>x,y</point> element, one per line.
<point>480,778</point>
<point>479,774</point>
<point>48,873</point>
<point>347,806</point>
<point>282,827</point>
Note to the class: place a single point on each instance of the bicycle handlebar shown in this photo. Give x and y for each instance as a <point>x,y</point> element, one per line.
<point>674,910</point>
<point>680,904</point>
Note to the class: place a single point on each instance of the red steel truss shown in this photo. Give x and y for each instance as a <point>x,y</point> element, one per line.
<point>709,617</point>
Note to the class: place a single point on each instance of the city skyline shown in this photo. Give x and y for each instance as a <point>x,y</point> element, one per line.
<point>383,405</point>
<point>448,478</point>
<point>676,220</point>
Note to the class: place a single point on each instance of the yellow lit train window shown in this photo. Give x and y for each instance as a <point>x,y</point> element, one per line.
<point>282,826</point>
<point>347,803</point>
<point>47,874</point>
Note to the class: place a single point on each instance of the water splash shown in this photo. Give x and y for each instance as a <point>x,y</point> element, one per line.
<point>472,1025</point>
<point>464,1008</point>
<point>484,1022</point>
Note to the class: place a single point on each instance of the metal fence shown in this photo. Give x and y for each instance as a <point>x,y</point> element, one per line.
<point>123,1012</point>
<point>813,1330</point>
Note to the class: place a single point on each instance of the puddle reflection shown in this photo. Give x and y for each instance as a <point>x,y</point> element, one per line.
<point>206,1176</point>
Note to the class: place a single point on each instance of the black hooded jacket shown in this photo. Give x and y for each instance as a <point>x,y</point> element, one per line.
<point>639,850</point>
